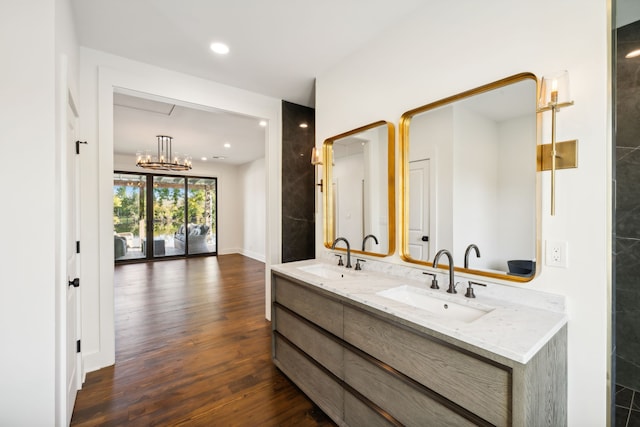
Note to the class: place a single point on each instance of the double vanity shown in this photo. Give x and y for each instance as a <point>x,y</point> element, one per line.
<point>373,348</point>
<point>379,344</point>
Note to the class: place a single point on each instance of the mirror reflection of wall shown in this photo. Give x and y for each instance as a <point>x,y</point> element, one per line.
<point>348,186</point>
<point>360,188</point>
<point>359,193</point>
<point>472,177</point>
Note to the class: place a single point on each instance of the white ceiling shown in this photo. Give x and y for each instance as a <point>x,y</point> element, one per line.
<point>278,48</point>
<point>196,132</point>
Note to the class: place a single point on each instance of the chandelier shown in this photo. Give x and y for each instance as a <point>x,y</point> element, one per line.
<point>165,159</point>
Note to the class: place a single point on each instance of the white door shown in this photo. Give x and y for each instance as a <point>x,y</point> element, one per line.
<point>419,237</point>
<point>73,359</point>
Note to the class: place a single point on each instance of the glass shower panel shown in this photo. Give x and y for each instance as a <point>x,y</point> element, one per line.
<point>201,230</point>
<point>169,209</point>
<point>129,215</point>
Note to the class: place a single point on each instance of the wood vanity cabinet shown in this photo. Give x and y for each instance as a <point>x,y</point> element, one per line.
<point>364,367</point>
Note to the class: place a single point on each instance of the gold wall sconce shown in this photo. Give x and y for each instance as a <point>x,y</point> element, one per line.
<point>316,160</point>
<point>554,95</point>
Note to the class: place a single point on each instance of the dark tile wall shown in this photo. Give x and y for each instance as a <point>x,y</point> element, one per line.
<point>627,229</point>
<point>298,201</point>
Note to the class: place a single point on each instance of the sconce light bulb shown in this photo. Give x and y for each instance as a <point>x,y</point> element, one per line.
<point>554,91</point>
<point>315,157</point>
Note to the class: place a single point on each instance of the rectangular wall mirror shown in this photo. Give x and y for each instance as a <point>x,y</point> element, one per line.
<point>359,189</point>
<point>469,177</point>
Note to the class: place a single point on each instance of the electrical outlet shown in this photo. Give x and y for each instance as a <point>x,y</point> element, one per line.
<point>556,253</point>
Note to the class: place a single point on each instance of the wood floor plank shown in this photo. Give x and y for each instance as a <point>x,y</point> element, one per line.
<point>192,349</point>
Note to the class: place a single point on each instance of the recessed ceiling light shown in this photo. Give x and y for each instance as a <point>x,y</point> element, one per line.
<point>304,125</point>
<point>218,157</point>
<point>219,48</point>
<point>263,123</point>
<point>227,145</point>
<point>633,54</point>
<point>204,159</point>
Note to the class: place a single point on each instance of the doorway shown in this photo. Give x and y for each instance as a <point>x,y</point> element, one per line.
<point>154,83</point>
<point>419,214</point>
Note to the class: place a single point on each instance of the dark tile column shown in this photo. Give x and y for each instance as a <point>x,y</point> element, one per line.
<point>627,229</point>
<point>298,202</point>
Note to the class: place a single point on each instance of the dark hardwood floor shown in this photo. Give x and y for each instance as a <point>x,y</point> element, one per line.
<point>192,349</point>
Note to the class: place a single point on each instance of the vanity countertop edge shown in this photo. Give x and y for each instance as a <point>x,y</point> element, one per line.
<point>516,331</point>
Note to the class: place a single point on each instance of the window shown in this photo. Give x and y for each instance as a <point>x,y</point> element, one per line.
<point>129,213</point>
<point>178,216</point>
<point>169,210</point>
<point>201,208</point>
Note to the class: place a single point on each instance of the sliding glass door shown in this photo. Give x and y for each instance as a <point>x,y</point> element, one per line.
<point>202,215</point>
<point>129,215</point>
<point>176,218</point>
<point>169,210</point>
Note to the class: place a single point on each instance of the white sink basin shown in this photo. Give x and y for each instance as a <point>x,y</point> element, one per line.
<point>327,271</point>
<point>421,299</point>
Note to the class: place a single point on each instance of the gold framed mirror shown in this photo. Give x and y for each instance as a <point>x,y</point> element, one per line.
<point>469,177</point>
<point>359,189</point>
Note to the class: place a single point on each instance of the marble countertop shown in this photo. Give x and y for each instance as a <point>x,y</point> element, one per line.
<point>517,324</point>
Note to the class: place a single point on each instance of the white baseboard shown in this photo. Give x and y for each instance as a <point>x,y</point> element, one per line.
<point>95,361</point>
<point>229,251</point>
<point>254,255</point>
<point>247,253</point>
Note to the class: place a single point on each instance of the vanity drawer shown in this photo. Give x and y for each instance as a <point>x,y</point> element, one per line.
<point>475,384</point>
<point>407,404</point>
<point>357,414</point>
<point>310,340</point>
<point>322,311</point>
<point>317,384</point>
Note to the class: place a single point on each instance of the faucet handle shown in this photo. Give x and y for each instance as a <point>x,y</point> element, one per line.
<point>470,293</point>
<point>358,266</point>
<point>340,260</point>
<point>452,287</point>
<point>434,280</point>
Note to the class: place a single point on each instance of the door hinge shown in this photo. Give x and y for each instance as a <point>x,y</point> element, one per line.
<point>77,246</point>
<point>78,146</point>
<point>75,282</point>
<point>78,346</point>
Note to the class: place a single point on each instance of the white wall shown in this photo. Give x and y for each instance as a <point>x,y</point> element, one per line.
<point>348,174</point>
<point>475,195</point>
<point>439,51</point>
<point>27,297</point>
<point>516,207</point>
<point>253,204</point>
<point>100,73</point>
<point>40,54</point>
